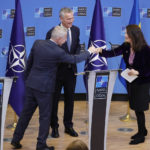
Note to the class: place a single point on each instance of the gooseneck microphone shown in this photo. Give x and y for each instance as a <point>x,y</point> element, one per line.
<point>115,55</point>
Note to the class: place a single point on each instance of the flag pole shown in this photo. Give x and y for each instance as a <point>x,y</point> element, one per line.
<point>127,117</point>
<point>15,121</point>
<point>14,124</point>
<point>11,126</point>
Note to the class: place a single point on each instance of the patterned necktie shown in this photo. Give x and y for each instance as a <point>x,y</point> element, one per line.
<point>68,40</point>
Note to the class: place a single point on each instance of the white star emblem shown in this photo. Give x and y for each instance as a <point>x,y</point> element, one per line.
<point>17,58</point>
<point>101,82</point>
<point>96,57</point>
<point>95,44</point>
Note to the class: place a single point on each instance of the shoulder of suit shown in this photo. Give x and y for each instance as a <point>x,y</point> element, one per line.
<point>50,30</point>
<point>75,27</point>
<point>146,48</point>
<point>40,41</point>
<point>125,46</point>
<point>37,42</point>
<point>48,34</point>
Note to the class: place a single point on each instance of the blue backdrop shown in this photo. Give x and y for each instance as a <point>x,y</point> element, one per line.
<point>42,15</point>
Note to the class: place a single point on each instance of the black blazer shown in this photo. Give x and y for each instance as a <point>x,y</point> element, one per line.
<point>42,64</point>
<point>141,61</point>
<point>75,47</point>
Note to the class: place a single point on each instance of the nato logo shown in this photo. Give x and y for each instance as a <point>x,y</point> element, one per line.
<point>82,47</point>
<point>29,31</point>
<point>8,14</point>
<point>101,81</point>
<point>82,11</point>
<point>48,12</point>
<point>107,11</point>
<point>16,58</point>
<point>38,12</point>
<point>99,43</point>
<point>110,11</point>
<point>148,13</point>
<point>143,12</point>
<point>0,33</point>
<point>116,12</point>
<point>88,29</point>
<point>43,12</point>
<point>95,61</point>
<point>75,11</point>
<point>123,31</point>
<point>4,52</point>
<point>101,87</point>
<point>79,11</point>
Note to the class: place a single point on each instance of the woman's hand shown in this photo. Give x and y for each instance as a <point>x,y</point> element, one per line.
<point>133,72</point>
<point>99,49</point>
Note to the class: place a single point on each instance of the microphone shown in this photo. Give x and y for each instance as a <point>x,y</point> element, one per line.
<point>113,46</point>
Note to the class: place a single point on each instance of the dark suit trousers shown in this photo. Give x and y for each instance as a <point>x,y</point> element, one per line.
<point>35,98</point>
<point>140,121</point>
<point>68,81</point>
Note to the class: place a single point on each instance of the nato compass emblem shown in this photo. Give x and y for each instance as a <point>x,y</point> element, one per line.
<point>97,62</point>
<point>17,58</point>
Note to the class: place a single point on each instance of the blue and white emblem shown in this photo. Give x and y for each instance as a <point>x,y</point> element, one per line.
<point>17,58</point>
<point>97,62</point>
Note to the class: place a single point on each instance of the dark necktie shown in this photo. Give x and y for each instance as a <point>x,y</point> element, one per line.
<point>68,40</point>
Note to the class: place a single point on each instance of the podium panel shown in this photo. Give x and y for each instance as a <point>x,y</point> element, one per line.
<point>100,89</point>
<point>5,87</point>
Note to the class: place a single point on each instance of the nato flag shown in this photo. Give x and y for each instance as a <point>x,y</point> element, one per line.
<point>16,61</point>
<point>97,38</point>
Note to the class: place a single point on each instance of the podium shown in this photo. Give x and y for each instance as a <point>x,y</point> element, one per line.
<point>100,89</point>
<point>5,87</point>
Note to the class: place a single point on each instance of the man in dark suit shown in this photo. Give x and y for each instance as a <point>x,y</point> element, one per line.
<point>40,82</point>
<point>67,79</point>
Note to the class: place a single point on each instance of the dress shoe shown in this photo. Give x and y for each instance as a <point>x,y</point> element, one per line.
<point>46,148</point>
<point>71,132</point>
<point>137,140</point>
<point>55,133</point>
<point>16,145</point>
<point>138,135</point>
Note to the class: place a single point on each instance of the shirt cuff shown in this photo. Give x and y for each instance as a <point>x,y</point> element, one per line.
<point>90,52</point>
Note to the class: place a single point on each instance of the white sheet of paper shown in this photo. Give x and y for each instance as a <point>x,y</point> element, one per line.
<point>125,75</point>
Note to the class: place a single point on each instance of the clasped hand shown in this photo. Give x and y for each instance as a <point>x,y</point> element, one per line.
<point>92,49</point>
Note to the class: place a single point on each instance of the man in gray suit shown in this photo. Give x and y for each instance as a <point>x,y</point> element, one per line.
<point>40,82</point>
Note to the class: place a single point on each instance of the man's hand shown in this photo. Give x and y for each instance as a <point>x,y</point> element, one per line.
<point>92,49</point>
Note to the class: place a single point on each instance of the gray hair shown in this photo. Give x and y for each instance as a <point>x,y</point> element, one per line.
<point>64,10</point>
<point>58,32</point>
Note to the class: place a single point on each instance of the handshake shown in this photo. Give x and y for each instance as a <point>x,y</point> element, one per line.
<point>92,49</point>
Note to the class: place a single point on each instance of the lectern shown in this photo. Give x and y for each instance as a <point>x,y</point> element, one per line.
<point>100,89</point>
<point>5,87</point>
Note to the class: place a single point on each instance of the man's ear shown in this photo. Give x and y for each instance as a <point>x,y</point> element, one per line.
<point>59,40</point>
<point>60,18</point>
